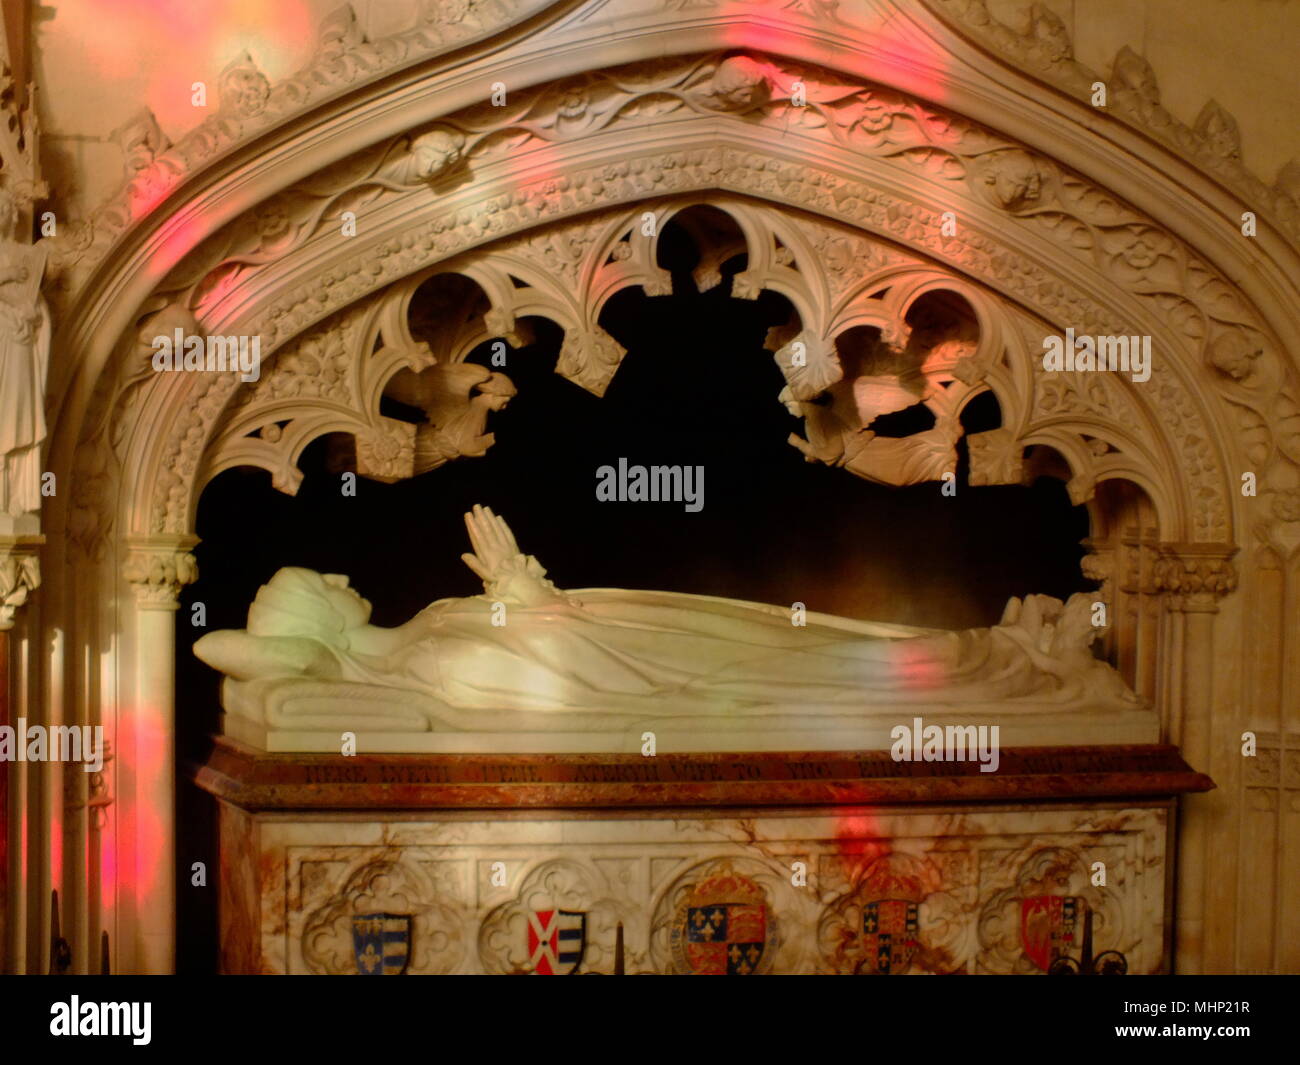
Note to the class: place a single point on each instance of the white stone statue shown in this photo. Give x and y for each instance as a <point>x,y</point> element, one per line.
<point>526,666</point>
<point>24,360</point>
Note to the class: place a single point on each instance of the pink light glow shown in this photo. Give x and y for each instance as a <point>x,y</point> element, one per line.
<point>909,60</point>
<point>56,846</point>
<point>156,49</point>
<point>917,668</point>
<point>143,850</point>
<point>858,841</point>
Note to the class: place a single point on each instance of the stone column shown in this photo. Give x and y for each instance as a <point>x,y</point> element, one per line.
<point>20,575</point>
<point>156,568</point>
<point>1193,577</point>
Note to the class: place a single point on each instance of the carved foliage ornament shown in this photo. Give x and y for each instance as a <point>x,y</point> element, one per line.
<point>20,574</point>
<point>1081,217</point>
<point>157,573</point>
<point>1040,43</point>
<point>583,258</point>
<point>248,104</point>
<point>1196,576</point>
<point>1019,186</point>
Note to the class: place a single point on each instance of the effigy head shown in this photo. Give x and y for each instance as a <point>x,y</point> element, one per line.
<point>302,602</point>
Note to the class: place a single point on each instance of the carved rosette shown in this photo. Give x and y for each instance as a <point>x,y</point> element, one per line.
<point>386,452</point>
<point>20,575</point>
<point>158,570</point>
<point>1195,576</point>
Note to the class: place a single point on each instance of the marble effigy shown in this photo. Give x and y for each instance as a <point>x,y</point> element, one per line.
<point>526,667</point>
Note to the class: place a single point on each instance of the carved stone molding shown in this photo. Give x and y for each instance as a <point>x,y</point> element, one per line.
<point>1041,45</point>
<point>567,271</point>
<point>249,105</point>
<point>379,882</point>
<point>1272,775</point>
<point>20,574</point>
<point>1195,576</point>
<point>1188,307</point>
<point>158,568</point>
<point>892,131</point>
<point>595,240</point>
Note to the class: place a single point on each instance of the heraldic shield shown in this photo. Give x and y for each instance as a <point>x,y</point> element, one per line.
<point>721,927</point>
<point>889,928</point>
<point>1047,927</point>
<point>381,943</point>
<point>556,939</point>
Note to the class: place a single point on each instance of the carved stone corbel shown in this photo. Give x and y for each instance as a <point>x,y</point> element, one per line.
<point>1195,576</point>
<point>1098,564</point>
<point>20,575</point>
<point>158,568</point>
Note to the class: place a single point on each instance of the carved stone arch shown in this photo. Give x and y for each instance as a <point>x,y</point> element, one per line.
<point>335,387</point>
<point>592,244</point>
<point>576,311</point>
<point>852,25</point>
<point>1214,527</point>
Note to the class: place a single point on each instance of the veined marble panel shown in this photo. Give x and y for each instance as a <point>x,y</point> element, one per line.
<point>990,889</point>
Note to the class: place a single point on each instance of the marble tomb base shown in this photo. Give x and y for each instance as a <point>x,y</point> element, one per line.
<point>751,863</point>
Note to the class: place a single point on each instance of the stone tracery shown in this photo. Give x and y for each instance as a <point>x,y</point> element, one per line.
<point>1139,257</point>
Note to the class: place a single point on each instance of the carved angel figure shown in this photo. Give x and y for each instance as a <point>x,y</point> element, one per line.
<point>601,659</point>
<point>24,360</point>
<point>1013,178</point>
<point>428,155</point>
<point>738,84</point>
<point>836,425</point>
<point>456,399</point>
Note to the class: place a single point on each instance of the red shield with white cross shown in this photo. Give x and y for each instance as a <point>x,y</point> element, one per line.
<point>555,941</point>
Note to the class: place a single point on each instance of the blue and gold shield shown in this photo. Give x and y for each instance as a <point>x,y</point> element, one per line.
<point>889,936</point>
<point>381,943</point>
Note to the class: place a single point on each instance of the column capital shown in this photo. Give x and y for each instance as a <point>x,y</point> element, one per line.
<point>158,567</point>
<point>20,574</point>
<point>1195,576</point>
